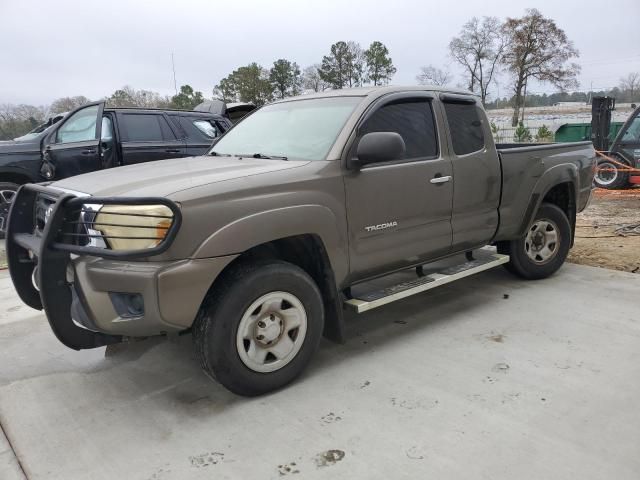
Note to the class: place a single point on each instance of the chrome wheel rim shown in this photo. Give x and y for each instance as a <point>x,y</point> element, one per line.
<point>606,174</point>
<point>6,197</point>
<point>271,332</point>
<point>542,241</point>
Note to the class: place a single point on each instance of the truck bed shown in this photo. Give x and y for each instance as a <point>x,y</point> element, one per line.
<point>529,170</point>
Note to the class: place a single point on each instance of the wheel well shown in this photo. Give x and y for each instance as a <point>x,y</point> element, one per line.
<point>563,196</point>
<point>17,178</point>
<point>307,252</point>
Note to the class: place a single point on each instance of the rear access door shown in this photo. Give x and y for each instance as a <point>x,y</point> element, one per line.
<point>399,212</point>
<point>148,136</point>
<point>476,173</point>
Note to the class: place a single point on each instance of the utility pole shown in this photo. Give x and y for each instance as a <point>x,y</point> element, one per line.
<point>173,67</point>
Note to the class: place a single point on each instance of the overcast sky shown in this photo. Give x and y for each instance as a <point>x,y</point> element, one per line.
<point>54,48</point>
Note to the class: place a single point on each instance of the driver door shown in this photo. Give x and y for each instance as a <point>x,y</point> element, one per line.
<point>74,147</point>
<point>399,212</point>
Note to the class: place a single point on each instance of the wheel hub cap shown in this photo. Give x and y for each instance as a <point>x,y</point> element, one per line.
<point>271,332</point>
<point>268,329</point>
<point>542,241</point>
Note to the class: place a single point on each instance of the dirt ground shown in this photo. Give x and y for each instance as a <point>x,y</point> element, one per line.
<point>597,243</point>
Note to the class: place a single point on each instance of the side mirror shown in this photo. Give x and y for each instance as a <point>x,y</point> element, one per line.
<point>376,147</point>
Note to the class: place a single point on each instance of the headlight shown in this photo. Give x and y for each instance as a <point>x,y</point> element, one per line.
<point>133,227</point>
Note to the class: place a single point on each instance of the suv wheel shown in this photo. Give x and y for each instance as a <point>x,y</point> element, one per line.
<point>260,327</point>
<point>544,248</point>
<point>7,192</point>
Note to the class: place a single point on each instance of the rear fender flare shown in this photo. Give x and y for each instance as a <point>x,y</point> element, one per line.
<point>563,173</point>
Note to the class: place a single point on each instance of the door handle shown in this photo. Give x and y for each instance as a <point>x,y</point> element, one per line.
<point>89,151</point>
<point>172,150</point>
<point>440,180</point>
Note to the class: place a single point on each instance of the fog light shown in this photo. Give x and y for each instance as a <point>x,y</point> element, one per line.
<point>127,305</point>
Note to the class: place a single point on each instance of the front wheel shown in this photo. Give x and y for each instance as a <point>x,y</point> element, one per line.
<point>260,328</point>
<point>544,248</point>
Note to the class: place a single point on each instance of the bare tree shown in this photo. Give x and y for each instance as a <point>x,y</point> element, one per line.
<point>311,79</point>
<point>478,49</point>
<point>631,84</point>
<point>431,75</point>
<point>66,104</point>
<point>537,48</point>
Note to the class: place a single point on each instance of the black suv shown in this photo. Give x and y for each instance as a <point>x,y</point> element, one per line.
<point>93,137</point>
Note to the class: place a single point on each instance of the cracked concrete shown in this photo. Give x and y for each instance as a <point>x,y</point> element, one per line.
<point>489,377</point>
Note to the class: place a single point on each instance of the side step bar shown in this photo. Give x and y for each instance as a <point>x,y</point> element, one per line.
<point>377,298</point>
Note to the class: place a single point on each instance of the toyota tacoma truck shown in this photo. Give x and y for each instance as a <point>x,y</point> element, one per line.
<point>310,208</point>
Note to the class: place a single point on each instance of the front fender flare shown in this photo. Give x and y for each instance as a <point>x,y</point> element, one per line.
<point>266,226</point>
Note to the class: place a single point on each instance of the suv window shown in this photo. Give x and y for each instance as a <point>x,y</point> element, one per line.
<point>80,127</point>
<point>206,127</point>
<point>413,120</point>
<point>465,126</point>
<point>198,128</point>
<point>146,127</point>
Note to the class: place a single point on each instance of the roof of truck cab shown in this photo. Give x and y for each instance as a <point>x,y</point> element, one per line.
<point>378,91</point>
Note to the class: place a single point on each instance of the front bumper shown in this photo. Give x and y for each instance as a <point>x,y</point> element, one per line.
<point>79,289</point>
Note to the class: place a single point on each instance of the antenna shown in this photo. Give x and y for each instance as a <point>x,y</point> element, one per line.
<point>173,66</point>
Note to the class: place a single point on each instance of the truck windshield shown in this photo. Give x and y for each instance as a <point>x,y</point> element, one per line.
<point>301,129</point>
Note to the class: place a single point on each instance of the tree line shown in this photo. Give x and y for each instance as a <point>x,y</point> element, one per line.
<point>530,47</point>
<point>346,65</point>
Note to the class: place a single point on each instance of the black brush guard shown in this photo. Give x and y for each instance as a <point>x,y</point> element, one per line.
<point>47,250</point>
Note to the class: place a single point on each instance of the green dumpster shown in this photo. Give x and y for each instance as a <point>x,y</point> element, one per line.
<point>579,132</point>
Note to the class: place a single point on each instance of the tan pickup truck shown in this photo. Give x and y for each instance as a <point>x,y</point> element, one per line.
<point>259,247</point>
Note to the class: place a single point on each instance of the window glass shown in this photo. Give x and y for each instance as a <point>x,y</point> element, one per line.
<point>465,126</point>
<point>633,132</point>
<point>412,120</point>
<point>299,129</point>
<point>206,128</point>
<point>80,127</point>
<point>142,127</point>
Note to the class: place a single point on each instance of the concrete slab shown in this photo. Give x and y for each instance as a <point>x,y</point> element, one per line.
<point>9,466</point>
<point>460,382</point>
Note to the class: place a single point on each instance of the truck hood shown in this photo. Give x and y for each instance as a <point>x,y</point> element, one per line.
<point>164,177</point>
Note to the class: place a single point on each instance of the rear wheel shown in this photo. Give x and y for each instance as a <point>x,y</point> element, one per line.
<point>260,327</point>
<point>544,248</point>
<point>609,175</point>
<point>7,192</point>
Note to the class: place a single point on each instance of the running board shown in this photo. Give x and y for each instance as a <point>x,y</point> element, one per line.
<point>377,298</point>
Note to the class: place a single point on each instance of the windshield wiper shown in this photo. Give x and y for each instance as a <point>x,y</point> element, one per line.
<point>269,157</point>
<point>216,154</point>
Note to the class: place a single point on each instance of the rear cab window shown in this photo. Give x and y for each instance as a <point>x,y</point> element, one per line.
<point>413,120</point>
<point>465,125</point>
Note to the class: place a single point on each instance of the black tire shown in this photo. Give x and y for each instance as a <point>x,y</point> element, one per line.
<point>5,188</point>
<point>521,263</point>
<point>610,176</point>
<point>216,328</point>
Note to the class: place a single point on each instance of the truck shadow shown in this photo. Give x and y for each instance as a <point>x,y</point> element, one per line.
<point>169,371</point>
